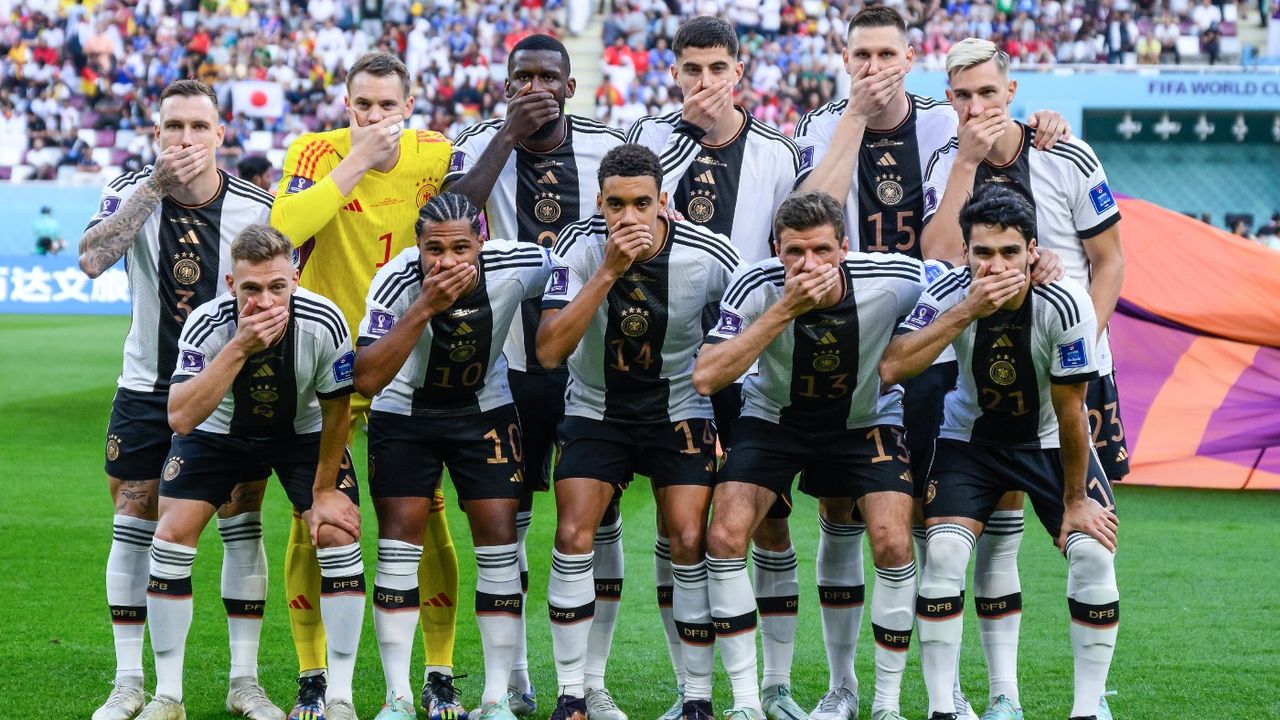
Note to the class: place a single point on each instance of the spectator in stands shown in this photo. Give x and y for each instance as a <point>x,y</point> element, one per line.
<point>48,235</point>
<point>1168,32</point>
<point>1269,234</point>
<point>1122,35</point>
<point>259,171</point>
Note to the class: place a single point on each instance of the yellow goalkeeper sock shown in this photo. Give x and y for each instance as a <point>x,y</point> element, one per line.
<point>438,583</point>
<point>302,587</point>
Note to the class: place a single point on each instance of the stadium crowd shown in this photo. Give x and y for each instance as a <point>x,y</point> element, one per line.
<point>100,64</point>
<point>792,47</point>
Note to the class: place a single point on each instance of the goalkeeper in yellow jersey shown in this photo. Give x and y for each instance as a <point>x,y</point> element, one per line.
<point>348,200</point>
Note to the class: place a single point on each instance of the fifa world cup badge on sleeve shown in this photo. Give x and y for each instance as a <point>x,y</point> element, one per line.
<point>1101,196</point>
<point>1072,354</point>
<point>730,324</point>
<point>192,361</point>
<point>297,185</point>
<point>344,367</point>
<point>921,316</point>
<point>559,284</point>
<point>380,322</point>
<point>455,161</point>
<point>806,158</point>
<point>108,207</point>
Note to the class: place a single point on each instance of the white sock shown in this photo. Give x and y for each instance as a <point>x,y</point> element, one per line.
<point>777,595</point>
<point>128,564</point>
<point>244,588</point>
<point>571,599</point>
<point>498,608</point>
<point>1094,601</point>
<point>918,535</point>
<point>608,573</point>
<point>840,593</point>
<point>733,614</point>
<point>940,611</point>
<point>665,585</point>
<point>520,655</point>
<point>892,610</point>
<point>342,612</point>
<point>691,613</point>
<point>395,612</point>
<point>169,610</point>
<point>997,594</point>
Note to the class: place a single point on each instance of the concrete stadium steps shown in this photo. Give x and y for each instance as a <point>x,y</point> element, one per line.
<point>586,53</point>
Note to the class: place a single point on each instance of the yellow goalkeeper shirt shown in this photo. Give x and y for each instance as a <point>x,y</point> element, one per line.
<point>342,240</point>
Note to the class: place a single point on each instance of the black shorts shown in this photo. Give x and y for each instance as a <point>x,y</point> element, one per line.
<point>206,466</point>
<point>539,398</point>
<point>967,481</point>
<point>1105,423</point>
<point>832,463</point>
<point>922,401</point>
<point>408,454</point>
<point>138,435</point>
<point>679,453</point>
<point>727,406</point>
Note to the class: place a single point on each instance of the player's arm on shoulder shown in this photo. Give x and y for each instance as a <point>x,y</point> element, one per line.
<point>947,185</point>
<point>748,322</point>
<point>932,325</point>
<point>116,225</point>
<point>309,195</point>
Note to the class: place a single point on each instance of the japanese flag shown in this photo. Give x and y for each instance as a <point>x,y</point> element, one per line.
<point>256,98</point>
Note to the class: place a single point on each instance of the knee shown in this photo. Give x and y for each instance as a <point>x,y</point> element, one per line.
<point>772,535</point>
<point>330,536</point>
<point>687,544</point>
<point>725,541</point>
<point>392,526</point>
<point>890,546</point>
<point>136,498</point>
<point>948,548</point>
<point>574,537</point>
<point>1089,561</point>
<point>836,510</point>
<point>245,497</point>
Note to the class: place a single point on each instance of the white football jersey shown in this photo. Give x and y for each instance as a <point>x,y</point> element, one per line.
<point>457,366</point>
<point>278,391</point>
<point>537,196</point>
<point>731,189</point>
<point>1008,361</point>
<point>177,262</point>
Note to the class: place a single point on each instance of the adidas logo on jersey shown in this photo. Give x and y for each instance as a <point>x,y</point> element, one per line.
<point>189,238</point>
<point>705,178</point>
<point>264,371</point>
<point>353,206</point>
<point>827,339</point>
<point>886,160</point>
<point>548,179</point>
<point>463,329</point>
<point>638,295</point>
<point>1004,341</point>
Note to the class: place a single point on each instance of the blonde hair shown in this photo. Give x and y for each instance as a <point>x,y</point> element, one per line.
<point>260,243</point>
<point>974,51</point>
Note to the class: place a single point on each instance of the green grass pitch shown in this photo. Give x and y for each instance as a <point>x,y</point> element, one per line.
<point>1199,638</point>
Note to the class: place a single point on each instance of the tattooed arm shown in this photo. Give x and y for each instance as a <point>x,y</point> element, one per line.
<point>105,243</point>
